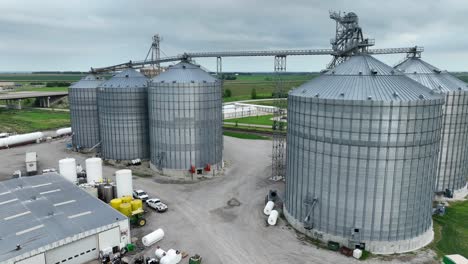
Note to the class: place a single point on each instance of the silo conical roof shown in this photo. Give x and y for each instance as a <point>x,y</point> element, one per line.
<point>89,81</point>
<point>430,76</point>
<point>184,72</point>
<point>126,79</point>
<point>363,77</point>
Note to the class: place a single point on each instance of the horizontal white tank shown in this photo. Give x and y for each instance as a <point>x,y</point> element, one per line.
<point>268,207</point>
<point>273,217</point>
<point>63,131</point>
<point>20,139</point>
<point>172,257</point>
<point>93,170</point>
<point>159,252</point>
<point>152,237</point>
<point>67,168</point>
<point>124,182</point>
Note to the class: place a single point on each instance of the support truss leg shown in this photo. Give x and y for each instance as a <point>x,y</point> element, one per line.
<point>279,126</point>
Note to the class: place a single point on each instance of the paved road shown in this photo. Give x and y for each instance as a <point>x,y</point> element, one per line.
<point>24,95</point>
<point>221,219</point>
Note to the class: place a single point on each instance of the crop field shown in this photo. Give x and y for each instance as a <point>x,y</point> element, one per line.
<point>264,85</point>
<point>26,120</point>
<point>463,76</point>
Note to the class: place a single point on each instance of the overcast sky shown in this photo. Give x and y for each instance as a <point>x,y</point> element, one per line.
<point>77,35</point>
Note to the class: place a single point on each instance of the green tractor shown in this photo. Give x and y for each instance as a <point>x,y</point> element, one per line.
<point>137,219</point>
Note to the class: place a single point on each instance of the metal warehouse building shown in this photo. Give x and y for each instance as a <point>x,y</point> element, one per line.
<point>46,219</point>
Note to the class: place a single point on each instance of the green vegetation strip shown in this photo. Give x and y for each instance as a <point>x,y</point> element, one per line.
<point>451,230</point>
<point>244,135</point>
<point>256,120</point>
<point>29,120</point>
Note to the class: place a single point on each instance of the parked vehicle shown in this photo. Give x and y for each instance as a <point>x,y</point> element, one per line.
<point>49,170</point>
<point>140,194</point>
<point>156,204</point>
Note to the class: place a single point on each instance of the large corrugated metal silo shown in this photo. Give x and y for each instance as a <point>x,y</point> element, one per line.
<point>123,116</point>
<point>185,117</point>
<point>362,146</point>
<point>452,167</point>
<point>83,111</point>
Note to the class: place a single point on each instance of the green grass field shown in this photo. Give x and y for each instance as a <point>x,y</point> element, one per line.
<point>244,135</point>
<point>451,230</point>
<point>25,121</point>
<point>256,120</point>
<point>463,76</point>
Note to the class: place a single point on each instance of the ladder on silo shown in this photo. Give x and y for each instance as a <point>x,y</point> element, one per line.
<point>308,224</point>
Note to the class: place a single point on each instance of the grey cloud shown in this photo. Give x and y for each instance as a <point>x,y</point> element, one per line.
<point>75,35</point>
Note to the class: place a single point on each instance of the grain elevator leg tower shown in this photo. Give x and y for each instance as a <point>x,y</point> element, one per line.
<point>279,131</point>
<point>349,38</point>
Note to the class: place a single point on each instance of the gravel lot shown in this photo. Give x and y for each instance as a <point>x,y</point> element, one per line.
<point>221,218</point>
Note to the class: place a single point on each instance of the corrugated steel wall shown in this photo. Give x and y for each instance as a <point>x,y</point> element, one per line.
<point>185,124</point>
<point>123,122</point>
<point>83,112</point>
<point>452,168</point>
<point>370,164</point>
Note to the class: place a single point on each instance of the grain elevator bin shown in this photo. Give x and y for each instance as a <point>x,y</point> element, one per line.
<point>185,116</point>
<point>83,111</point>
<point>362,147</point>
<point>452,166</point>
<point>123,116</point>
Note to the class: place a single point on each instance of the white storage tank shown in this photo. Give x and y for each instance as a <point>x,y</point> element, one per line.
<point>94,170</point>
<point>63,131</point>
<point>20,139</point>
<point>273,217</point>
<point>124,182</point>
<point>67,168</point>
<point>268,207</point>
<point>153,237</point>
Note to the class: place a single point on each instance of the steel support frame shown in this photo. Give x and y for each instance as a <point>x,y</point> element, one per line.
<point>279,127</point>
<point>219,66</point>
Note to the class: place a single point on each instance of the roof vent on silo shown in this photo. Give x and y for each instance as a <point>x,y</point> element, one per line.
<point>183,66</point>
<point>374,72</point>
<point>317,95</point>
<point>437,71</point>
<point>192,81</point>
<point>421,96</point>
<point>395,94</point>
<point>342,94</point>
<point>333,72</point>
<point>303,91</point>
<point>126,75</point>
<point>459,88</point>
<point>174,81</point>
<point>392,72</point>
<point>369,97</point>
<point>360,72</point>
